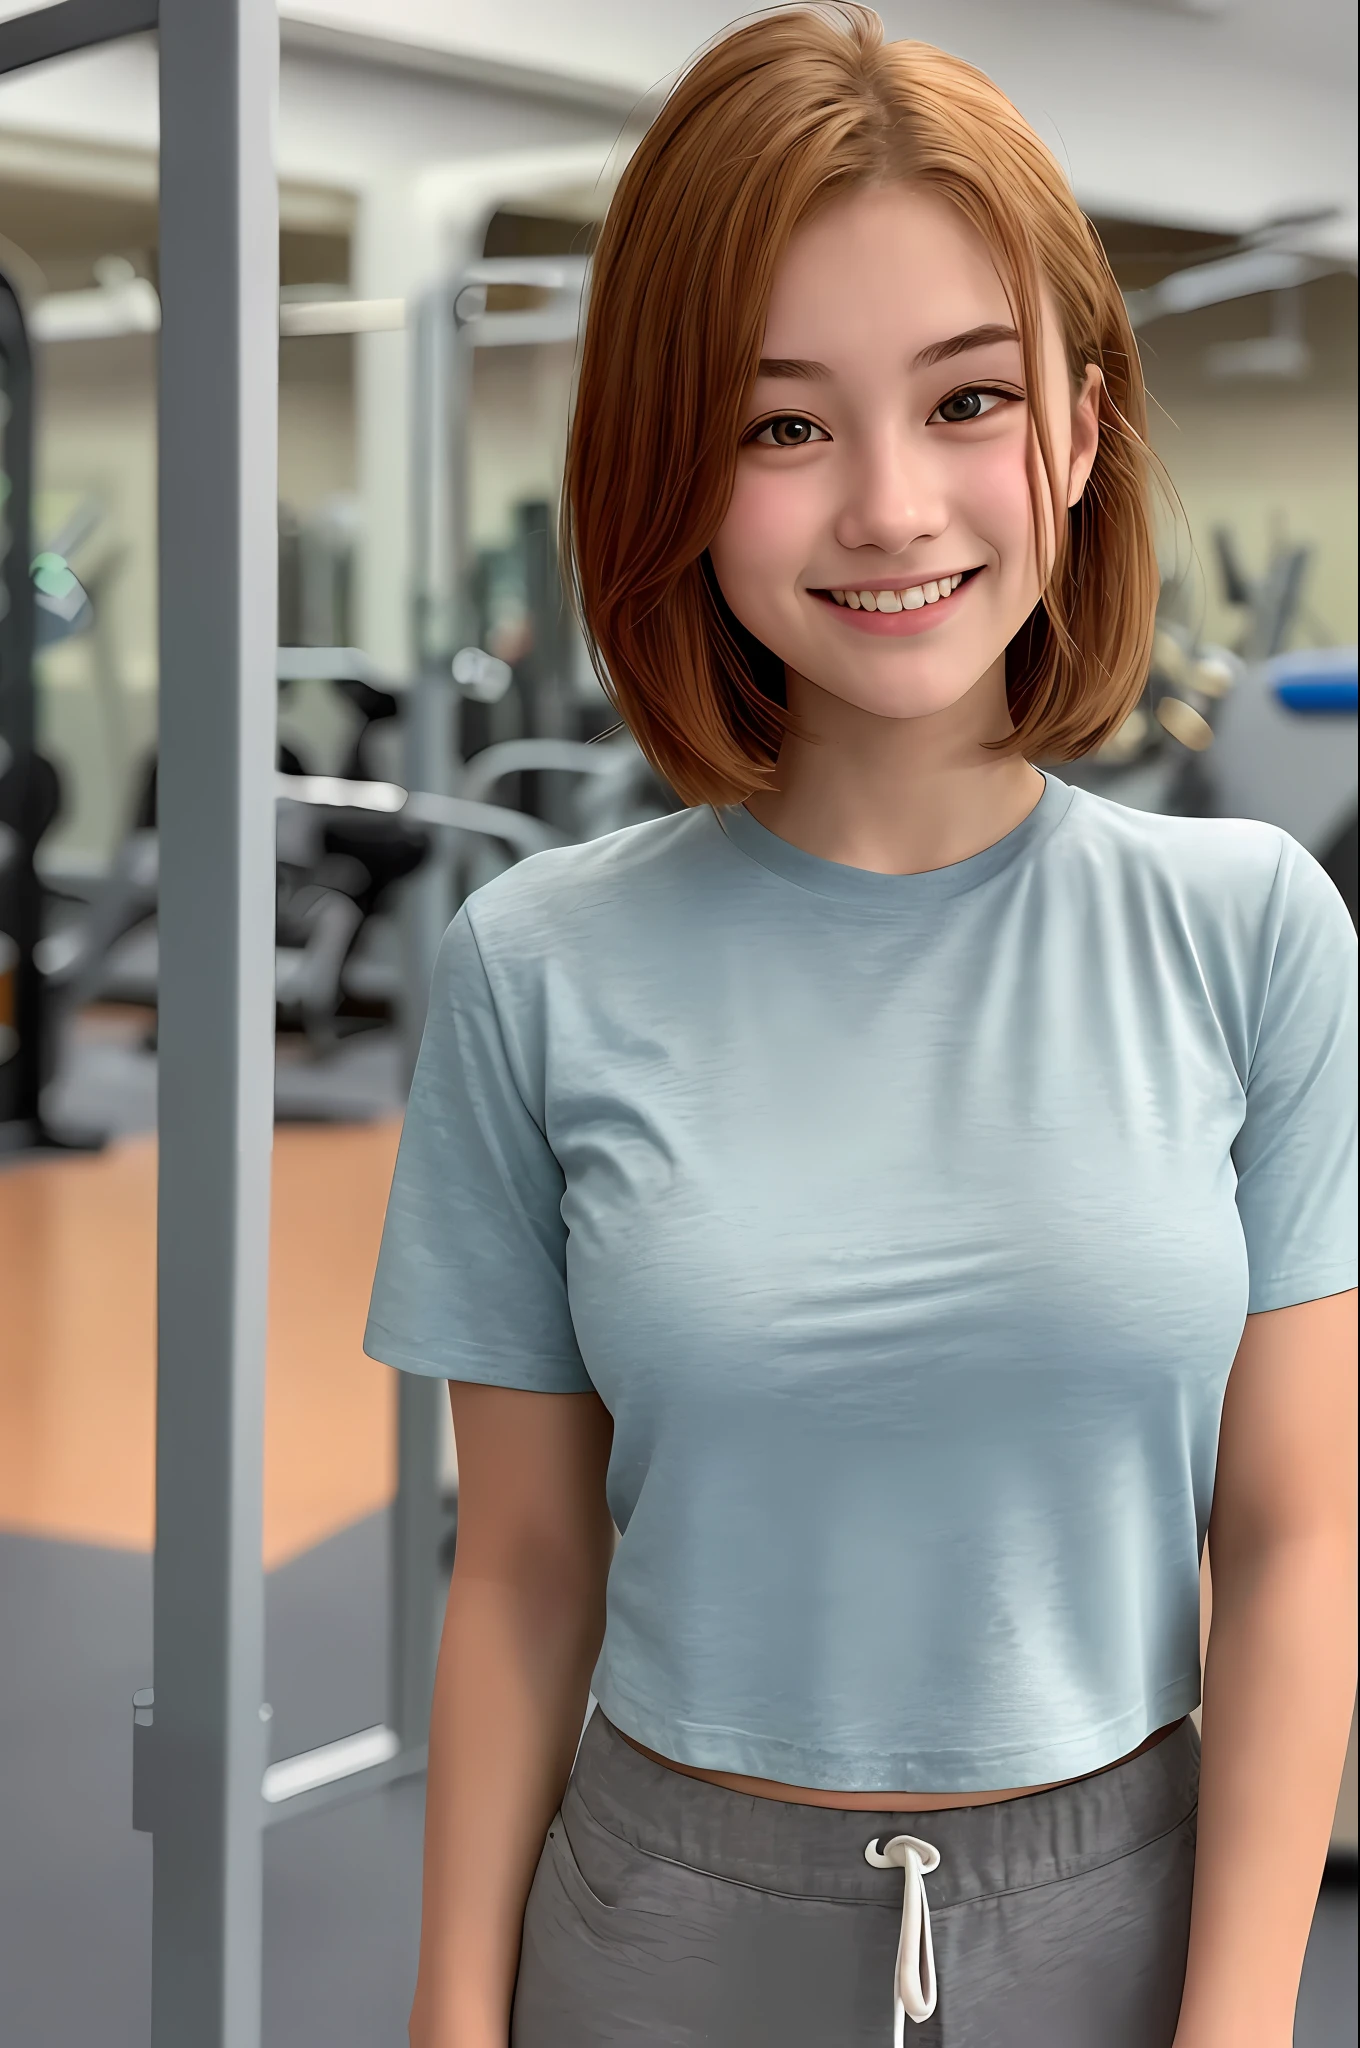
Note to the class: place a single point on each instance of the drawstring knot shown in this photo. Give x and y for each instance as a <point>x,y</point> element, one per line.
<point>914,1976</point>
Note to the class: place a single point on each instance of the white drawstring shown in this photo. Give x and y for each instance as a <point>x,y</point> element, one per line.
<point>914,1976</point>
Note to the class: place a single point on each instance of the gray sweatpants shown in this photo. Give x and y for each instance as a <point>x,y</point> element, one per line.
<point>669,1912</point>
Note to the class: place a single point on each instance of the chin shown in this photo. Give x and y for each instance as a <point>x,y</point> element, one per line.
<point>900,696</point>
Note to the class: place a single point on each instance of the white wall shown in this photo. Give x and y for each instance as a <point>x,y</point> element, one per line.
<point>1272,459</point>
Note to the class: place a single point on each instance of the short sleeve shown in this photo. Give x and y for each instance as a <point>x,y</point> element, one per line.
<point>1295,1154</point>
<point>471,1279</point>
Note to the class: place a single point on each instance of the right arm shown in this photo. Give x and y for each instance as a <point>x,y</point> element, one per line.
<point>522,1631</point>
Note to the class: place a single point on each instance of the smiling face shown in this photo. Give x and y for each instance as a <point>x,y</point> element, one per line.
<point>880,535</point>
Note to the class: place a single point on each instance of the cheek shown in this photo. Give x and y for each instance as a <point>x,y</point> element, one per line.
<point>993,499</point>
<point>761,546</point>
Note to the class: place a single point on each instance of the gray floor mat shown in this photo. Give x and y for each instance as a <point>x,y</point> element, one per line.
<point>341,1887</point>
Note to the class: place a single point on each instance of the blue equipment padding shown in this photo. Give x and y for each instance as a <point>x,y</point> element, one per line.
<point>1321,681</point>
<point>1324,693</point>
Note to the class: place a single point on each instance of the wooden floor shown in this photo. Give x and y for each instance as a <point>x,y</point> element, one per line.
<point>77,1348</point>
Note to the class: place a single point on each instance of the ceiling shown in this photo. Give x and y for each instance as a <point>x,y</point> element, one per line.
<point>1157,108</point>
<point>639,46</point>
<point>1213,121</point>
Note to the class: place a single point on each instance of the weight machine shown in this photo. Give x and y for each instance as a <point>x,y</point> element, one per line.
<point>41,602</point>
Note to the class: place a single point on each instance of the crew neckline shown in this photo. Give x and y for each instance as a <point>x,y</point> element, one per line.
<point>862,886</point>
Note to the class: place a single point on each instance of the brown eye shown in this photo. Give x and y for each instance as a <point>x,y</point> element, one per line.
<point>965,406</point>
<point>790,430</point>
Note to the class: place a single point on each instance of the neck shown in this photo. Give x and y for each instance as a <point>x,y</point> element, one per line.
<point>897,796</point>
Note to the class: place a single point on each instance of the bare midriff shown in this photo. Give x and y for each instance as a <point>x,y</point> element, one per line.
<point>881,1802</point>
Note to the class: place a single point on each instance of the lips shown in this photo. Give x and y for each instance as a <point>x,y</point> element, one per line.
<point>901,610</point>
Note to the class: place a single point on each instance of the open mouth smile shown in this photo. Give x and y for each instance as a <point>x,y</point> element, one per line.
<point>881,608</point>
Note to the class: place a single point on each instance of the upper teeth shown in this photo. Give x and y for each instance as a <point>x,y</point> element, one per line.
<point>898,600</point>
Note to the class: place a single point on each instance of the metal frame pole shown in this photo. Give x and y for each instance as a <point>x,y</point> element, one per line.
<point>438,408</point>
<point>69,25</point>
<point>447,324</point>
<point>218,618</point>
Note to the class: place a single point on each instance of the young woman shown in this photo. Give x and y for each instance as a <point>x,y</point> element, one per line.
<point>856,1188</point>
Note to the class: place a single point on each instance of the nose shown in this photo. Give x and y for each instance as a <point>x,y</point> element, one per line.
<point>893,497</point>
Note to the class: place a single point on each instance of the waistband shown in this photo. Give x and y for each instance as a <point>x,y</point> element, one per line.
<point>817,1852</point>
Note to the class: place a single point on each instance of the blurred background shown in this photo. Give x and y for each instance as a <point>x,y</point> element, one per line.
<point>444,167</point>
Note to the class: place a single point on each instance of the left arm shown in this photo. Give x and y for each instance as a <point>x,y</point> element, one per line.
<point>1279,1676</point>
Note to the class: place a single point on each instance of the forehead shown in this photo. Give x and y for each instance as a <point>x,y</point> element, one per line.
<point>889,264</point>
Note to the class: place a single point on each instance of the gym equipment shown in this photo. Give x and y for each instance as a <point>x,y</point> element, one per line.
<point>1168,756</point>
<point>448,323</point>
<point>1156,760</point>
<point>1285,751</point>
<point>1271,601</point>
<point>316,574</point>
<point>460,687</point>
<point>343,842</point>
<point>611,786</point>
<point>26,796</point>
<point>41,601</point>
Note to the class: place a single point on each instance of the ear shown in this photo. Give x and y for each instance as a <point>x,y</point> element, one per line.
<point>1085,433</point>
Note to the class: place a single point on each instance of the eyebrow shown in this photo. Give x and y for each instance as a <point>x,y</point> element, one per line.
<point>791,366</point>
<point>986,336</point>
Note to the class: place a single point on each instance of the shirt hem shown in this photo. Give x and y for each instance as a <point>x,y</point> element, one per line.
<point>997,1768</point>
<point>480,1370</point>
<point>1313,1286</point>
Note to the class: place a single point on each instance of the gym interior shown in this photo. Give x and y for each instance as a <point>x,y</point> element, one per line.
<point>439,171</point>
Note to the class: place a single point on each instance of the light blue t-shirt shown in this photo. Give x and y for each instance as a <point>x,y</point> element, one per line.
<point>906,1225</point>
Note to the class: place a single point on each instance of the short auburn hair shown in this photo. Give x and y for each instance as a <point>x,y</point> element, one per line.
<point>775,119</point>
